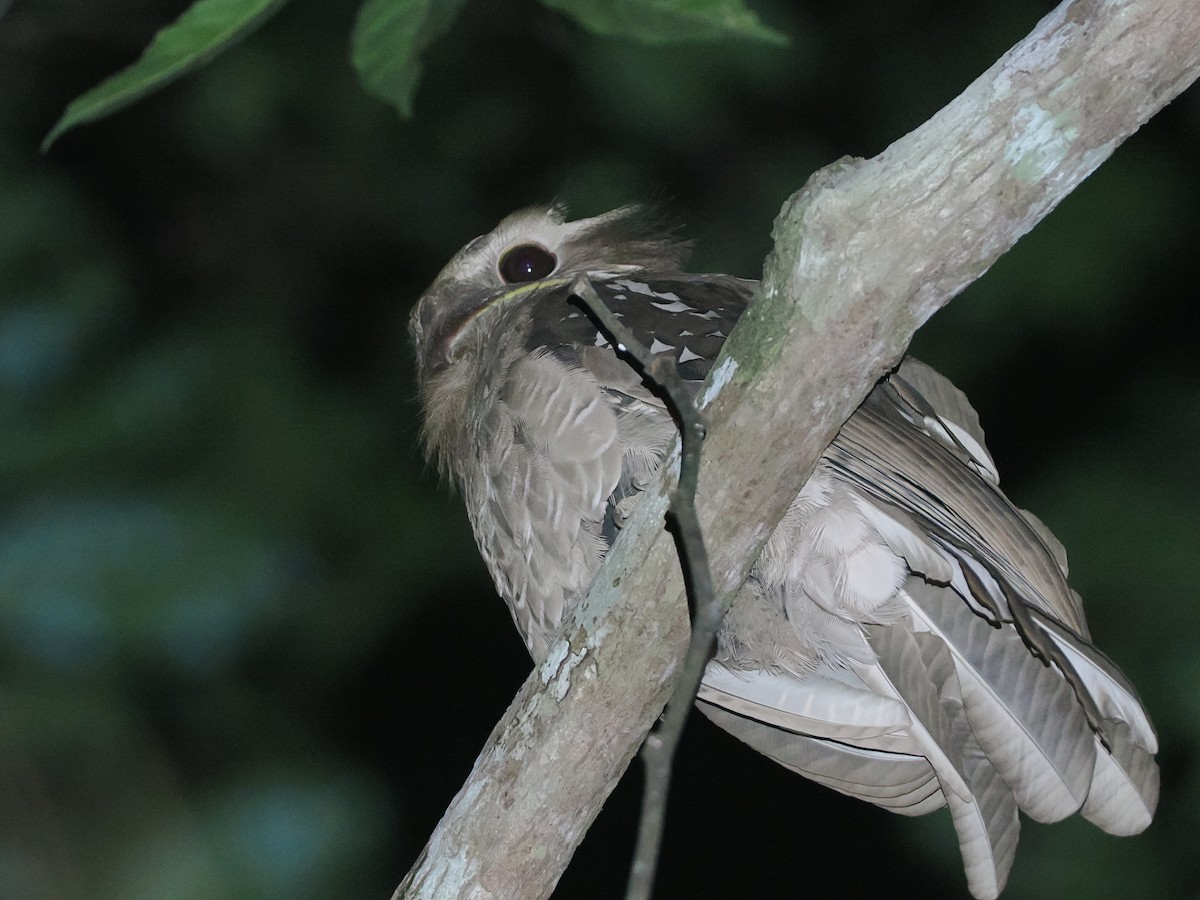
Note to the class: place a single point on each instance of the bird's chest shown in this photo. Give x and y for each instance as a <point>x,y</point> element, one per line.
<point>546,456</point>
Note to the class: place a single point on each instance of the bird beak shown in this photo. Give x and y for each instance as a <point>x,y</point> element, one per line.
<point>442,319</point>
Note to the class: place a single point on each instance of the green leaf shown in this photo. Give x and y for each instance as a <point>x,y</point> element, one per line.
<point>203,31</point>
<point>662,21</point>
<point>389,38</point>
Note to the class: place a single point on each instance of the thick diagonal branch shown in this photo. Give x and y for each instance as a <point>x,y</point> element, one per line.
<point>708,610</point>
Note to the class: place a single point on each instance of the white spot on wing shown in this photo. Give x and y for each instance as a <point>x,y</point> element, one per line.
<point>675,306</point>
<point>636,287</point>
<point>658,346</point>
<point>687,355</point>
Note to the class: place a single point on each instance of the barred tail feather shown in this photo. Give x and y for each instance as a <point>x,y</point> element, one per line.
<point>988,827</point>
<point>1124,790</point>
<point>1024,715</point>
<point>898,782</point>
<point>819,704</point>
<point>922,668</point>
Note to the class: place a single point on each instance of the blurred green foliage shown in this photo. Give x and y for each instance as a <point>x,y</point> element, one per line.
<point>390,38</point>
<point>246,646</point>
<point>205,29</point>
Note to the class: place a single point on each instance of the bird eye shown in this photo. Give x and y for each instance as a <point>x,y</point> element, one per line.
<point>526,262</point>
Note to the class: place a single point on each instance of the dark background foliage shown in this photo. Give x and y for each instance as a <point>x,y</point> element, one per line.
<point>247,648</point>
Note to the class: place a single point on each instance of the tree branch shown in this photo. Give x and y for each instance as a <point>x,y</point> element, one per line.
<point>864,254</point>
<point>708,609</point>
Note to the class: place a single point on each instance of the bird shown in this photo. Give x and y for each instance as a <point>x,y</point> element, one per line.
<point>908,635</point>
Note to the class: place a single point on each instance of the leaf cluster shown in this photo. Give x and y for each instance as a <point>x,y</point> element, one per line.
<point>389,42</point>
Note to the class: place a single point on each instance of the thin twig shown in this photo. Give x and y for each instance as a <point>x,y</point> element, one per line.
<point>658,750</point>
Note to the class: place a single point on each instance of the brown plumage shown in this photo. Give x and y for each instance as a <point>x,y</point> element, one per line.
<point>882,645</point>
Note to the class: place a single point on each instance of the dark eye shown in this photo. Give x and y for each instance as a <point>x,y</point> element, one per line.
<point>526,262</point>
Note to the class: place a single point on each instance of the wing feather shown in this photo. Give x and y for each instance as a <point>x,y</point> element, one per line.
<point>1024,715</point>
<point>898,782</point>
<point>822,704</point>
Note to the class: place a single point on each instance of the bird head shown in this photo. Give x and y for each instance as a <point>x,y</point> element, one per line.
<point>529,252</point>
